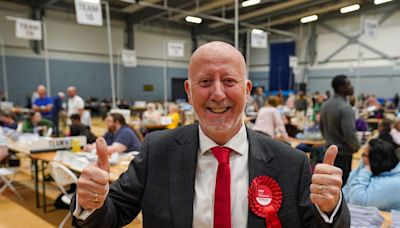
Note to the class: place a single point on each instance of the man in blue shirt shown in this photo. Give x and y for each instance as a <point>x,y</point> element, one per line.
<point>119,137</point>
<point>43,103</point>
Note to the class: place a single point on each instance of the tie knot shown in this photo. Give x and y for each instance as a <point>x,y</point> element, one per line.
<point>221,153</point>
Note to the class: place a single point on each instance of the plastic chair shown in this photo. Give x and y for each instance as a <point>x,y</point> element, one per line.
<point>63,176</point>
<point>7,176</point>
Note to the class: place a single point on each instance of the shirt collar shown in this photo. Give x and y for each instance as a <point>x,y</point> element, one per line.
<point>236,143</point>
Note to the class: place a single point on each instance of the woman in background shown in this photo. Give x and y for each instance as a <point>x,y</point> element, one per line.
<point>36,124</point>
<point>269,120</point>
<point>376,182</point>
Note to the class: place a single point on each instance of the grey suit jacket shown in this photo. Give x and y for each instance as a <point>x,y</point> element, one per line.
<point>160,183</point>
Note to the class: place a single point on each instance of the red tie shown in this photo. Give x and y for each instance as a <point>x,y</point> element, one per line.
<point>222,199</point>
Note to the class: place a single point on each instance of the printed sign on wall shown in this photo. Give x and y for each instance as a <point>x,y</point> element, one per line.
<point>175,49</point>
<point>129,58</point>
<point>28,29</point>
<point>259,39</point>
<point>88,13</point>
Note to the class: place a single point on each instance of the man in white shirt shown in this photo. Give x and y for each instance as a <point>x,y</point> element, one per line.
<point>199,175</point>
<point>75,102</point>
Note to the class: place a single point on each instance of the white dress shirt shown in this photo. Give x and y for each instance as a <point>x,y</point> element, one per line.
<point>206,174</point>
<point>74,104</point>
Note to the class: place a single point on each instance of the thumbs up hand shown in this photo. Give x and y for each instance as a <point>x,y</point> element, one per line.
<point>326,182</point>
<point>93,184</point>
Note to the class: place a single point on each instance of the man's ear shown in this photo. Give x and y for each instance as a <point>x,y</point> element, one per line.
<point>249,85</point>
<point>188,93</point>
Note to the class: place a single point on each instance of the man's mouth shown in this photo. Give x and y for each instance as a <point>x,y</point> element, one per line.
<point>218,110</point>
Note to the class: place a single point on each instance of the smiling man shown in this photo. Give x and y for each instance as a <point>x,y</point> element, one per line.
<point>215,173</point>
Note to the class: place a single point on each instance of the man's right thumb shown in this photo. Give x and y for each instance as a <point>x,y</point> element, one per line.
<point>102,154</point>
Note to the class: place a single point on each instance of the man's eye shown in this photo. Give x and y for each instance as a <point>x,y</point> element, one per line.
<point>205,83</point>
<point>229,82</point>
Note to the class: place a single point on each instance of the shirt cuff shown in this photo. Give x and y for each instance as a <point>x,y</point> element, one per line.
<point>81,213</point>
<point>327,219</point>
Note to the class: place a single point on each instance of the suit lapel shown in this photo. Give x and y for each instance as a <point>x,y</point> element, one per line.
<point>260,164</point>
<point>182,169</point>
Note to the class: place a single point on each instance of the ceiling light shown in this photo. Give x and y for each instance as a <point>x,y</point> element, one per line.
<point>309,19</point>
<point>92,1</point>
<point>191,19</point>
<point>377,2</point>
<point>349,9</point>
<point>257,31</point>
<point>250,3</point>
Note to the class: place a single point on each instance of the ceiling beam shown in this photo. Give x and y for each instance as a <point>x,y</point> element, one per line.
<point>137,7</point>
<point>264,11</point>
<point>206,7</point>
<point>319,10</point>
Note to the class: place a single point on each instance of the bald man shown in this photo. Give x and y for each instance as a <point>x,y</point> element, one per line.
<point>200,175</point>
<point>43,103</point>
<point>76,104</point>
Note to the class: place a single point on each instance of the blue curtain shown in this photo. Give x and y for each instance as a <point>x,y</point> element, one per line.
<point>280,74</point>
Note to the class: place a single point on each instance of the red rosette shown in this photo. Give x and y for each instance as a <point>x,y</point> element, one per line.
<point>265,199</point>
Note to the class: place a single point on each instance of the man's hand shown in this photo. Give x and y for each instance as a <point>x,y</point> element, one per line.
<point>326,182</point>
<point>93,184</point>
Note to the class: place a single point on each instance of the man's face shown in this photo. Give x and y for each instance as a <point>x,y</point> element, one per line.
<point>71,93</point>
<point>37,117</point>
<point>217,89</point>
<point>111,125</point>
<point>41,92</point>
<point>349,88</point>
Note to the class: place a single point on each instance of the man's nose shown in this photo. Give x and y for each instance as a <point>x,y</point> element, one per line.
<point>218,92</point>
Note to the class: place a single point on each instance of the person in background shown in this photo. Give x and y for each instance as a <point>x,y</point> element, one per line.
<point>395,131</point>
<point>36,124</point>
<point>337,124</point>
<point>259,98</point>
<point>173,115</point>
<point>43,103</point>
<point>183,177</point>
<point>75,102</point>
<point>327,94</point>
<point>119,137</point>
<point>7,120</point>
<point>3,147</point>
<point>269,120</point>
<point>290,101</point>
<point>58,100</point>
<point>77,129</point>
<point>385,129</point>
<point>376,181</point>
<point>301,103</point>
<point>151,115</point>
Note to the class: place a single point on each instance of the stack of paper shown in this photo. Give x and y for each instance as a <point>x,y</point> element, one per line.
<point>362,216</point>
<point>395,218</point>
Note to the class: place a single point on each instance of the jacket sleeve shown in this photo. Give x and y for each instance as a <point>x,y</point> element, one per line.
<point>308,211</point>
<point>123,202</point>
<point>349,135</point>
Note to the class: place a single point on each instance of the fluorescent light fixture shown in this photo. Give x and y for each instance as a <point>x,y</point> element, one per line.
<point>349,9</point>
<point>257,31</point>
<point>377,2</point>
<point>309,19</point>
<point>250,2</point>
<point>92,1</point>
<point>191,19</point>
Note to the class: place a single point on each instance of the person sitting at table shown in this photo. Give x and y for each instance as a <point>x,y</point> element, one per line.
<point>376,181</point>
<point>384,129</point>
<point>119,137</point>
<point>38,125</point>
<point>269,120</point>
<point>7,120</point>
<point>395,131</point>
<point>151,115</point>
<point>77,128</point>
<point>173,115</point>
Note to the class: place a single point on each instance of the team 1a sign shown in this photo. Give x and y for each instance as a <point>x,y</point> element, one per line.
<point>88,13</point>
<point>28,29</point>
<point>175,49</point>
